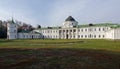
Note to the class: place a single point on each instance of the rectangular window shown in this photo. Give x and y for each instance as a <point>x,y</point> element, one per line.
<point>59,31</point>
<point>81,36</point>
<point>99,29</point>
<point>95,29</point>
<point>103,29</point>
<point>94,36</point>
<point>81,30</point>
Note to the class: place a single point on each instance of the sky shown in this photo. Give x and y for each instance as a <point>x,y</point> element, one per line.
<point>54,12</point>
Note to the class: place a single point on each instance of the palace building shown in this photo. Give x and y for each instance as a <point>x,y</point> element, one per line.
<point>69,30</point>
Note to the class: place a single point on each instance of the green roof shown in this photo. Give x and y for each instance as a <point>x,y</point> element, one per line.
<point>11,21</point>
<point>23,31</point>
<point>101,25</point>
<point>88,25</point>
<point>50,28</point>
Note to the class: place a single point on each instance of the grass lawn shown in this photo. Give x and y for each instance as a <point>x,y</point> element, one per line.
<point>59,54</point>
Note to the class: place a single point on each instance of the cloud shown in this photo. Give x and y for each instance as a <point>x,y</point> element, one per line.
<point>62,9</point>
<point>85,11</point>
<point>54,12</point>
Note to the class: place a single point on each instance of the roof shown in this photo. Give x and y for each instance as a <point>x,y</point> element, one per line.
<point>32,32</point>
<point>58,27</point>
<point>70,18</point>
<point>101,25</point>
<point>11,21</point>
<point>88,25</point>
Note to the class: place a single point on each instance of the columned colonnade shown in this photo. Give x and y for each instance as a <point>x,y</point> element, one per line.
<point>68,33</point>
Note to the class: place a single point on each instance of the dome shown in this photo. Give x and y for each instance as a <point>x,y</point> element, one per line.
<point>70,18</point>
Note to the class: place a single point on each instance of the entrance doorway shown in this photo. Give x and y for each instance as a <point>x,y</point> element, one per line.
<point>66,36</point>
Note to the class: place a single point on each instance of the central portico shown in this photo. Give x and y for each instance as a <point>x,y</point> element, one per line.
<point>68,30</point>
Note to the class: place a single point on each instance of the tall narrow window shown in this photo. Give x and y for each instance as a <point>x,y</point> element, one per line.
<point>95,29</point>
<point>99,29</point>
<point>81,36</point>
<point>81,30</point>
<point>94,36</point>
<point>103,29</point>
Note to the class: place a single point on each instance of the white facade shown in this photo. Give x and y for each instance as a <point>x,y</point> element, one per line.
<point>12,32</point>
<point>71,30</point>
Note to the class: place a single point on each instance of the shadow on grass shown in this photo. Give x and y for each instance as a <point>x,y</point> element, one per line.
<point>58,59</point>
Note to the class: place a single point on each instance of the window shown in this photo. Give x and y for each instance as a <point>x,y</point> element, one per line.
<point>94,36</point>
<point>72,23</point>
<point>85,29</point>
<point>81,36</point>
<point>15,36</point>
<point>78,36</point>
<point>90,29</point>
<point>59,31</point>
<point>90,36</point>
<point>103,29</point>
<point>99,36</point>
<point>23,36</point>
<point>95,29</point>
<point>81,30</point>
<point>74,30</point>
<point>85,36</point>
<point>48,31</point>
<point>99,29</point>
<point>67,30</point>
<point>103,36</point>
<point>74,36</point>
<point>15,31</point>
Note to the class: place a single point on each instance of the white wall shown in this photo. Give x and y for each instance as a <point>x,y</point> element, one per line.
<point>11,31</point>
<point>92,32</point>
<point>117,33</point>
<point>50,33</point>
<point>28,35</point>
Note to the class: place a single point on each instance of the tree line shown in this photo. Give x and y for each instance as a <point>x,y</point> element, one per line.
<point>21,27</point>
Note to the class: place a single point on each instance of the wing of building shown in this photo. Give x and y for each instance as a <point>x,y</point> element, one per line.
<point>69,30</point>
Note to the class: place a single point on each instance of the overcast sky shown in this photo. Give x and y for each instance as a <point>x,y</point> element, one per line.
<point>54,12</point>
